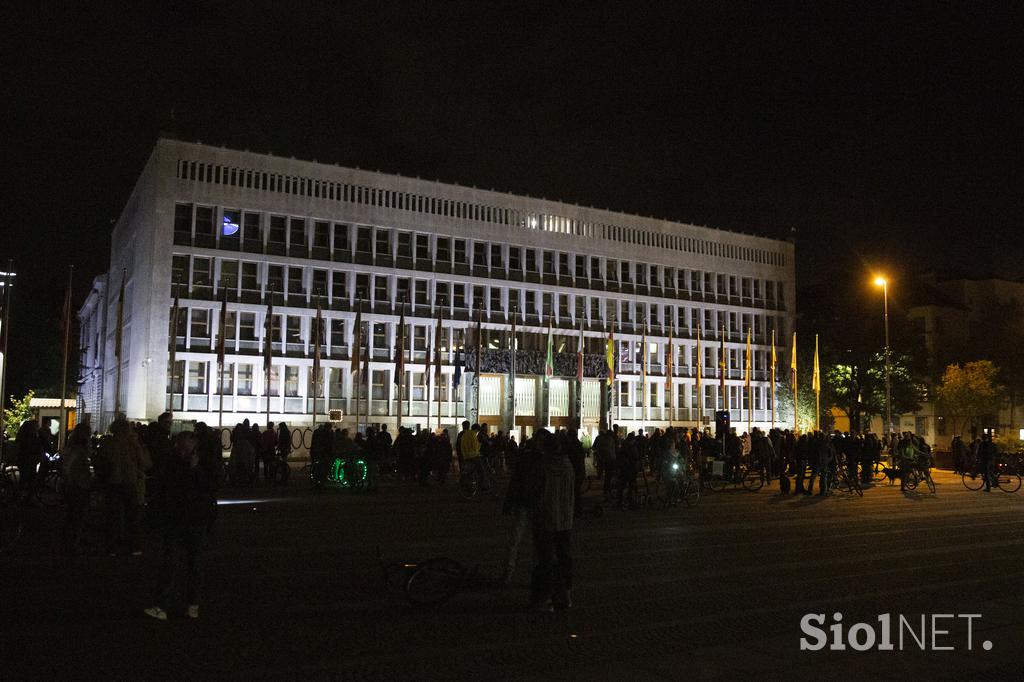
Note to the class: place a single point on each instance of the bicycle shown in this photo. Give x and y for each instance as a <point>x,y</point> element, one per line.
<point>841,480</point>
<point>1001,476</point>
<point>433,581</point>
<point>476,476</point>
<point>686,488</point>
<point>280,471</point>
<point>751,478</point>
<point>917,473</point>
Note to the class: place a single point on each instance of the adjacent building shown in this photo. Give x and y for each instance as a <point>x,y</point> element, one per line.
<point>210,224</point>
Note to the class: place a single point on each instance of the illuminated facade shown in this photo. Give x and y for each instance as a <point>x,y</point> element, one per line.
<point>225,222</point>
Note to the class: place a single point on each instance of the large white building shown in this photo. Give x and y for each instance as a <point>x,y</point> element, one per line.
<point>226,222</point>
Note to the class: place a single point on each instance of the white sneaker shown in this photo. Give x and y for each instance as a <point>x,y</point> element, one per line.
<point>156,612</point>
<point>193,611</point>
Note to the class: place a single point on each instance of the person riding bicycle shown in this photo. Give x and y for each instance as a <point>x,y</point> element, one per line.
<point>987,460</point>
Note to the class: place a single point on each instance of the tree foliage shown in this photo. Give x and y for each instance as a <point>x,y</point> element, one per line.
<point>969,393</point>
<point>17,413</point>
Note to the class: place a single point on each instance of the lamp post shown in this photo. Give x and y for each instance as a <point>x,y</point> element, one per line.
<point>884,283</point>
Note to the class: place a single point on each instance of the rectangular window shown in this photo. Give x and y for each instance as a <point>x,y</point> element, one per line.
<point>383,242</point>
<point>319,283</point>
<point>549,262</point>
<point>460,251</point>
<point>251,231</point>
<point>421,292</point>
<point>581,267</point>
<point>204,222</point>
<point>563,264</point>
<point>297,236</point>
<point>291,381</point>
<point>321,235</point>
<point>341,238</point>
<point>247,326</point>
<point>339,286</point>
<point>337,335</point>
<point>197,378</point>
<point>295,287</point>
<point>200,327</point>
<point>496,300</point>
<point>444,250</point>
<point>423,247</point>
<point>201,272</point>
<point>496,260</point>
<point>480,254</point>
<point>404,245</point>
<point>380,289</point>
<point>275,278</point>
<point>364,242</point>
<point>245,379</point>
<point>460,296</point>
<point>179,270</point>
<point>276,234</point>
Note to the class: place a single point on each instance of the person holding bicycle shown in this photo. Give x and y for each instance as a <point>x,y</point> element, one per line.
<point>987,460</point>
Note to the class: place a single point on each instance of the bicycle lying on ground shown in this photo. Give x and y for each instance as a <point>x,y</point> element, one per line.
<point>433,581</point>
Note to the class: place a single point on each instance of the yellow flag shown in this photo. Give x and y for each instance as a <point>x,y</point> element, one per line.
<point>748,356</point>
<point>792,363</point>
<point>817,372</point>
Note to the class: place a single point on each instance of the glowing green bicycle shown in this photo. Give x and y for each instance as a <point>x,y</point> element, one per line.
<point>340,473</point>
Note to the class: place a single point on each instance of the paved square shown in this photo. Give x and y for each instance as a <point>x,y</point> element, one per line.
<point>294,591</point>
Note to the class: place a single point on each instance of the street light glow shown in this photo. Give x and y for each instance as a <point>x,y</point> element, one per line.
<point>880,281</point>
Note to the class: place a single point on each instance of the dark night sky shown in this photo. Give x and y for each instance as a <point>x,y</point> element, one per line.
<point>885,134</point>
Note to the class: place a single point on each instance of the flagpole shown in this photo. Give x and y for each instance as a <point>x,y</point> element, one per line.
<point>750,396</point>
<point>700,371</point>
<point>174,341</point>
<point>62,436</point>
<point>220,354</point>
<point>437,364</point>
<point>643,376</point>
<point>400,365</point>
<point>515,316</point>
<point>792,367</point>
<point>268,349</point>
<point>774,360</point>
<point>670,354</point>
<point>118,344</point>
<point>318,343</point>
<point>722,364</point>
<point>817,388</point>
<point>479,361</point>
<point>5,332</point>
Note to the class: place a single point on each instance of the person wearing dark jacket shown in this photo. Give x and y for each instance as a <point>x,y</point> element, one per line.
<point>551,585</point>
<point>185,492</point>
<point>30,455</point>
<point>524,492</point>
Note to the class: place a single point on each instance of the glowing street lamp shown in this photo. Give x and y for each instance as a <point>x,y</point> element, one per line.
<point>884,283</point>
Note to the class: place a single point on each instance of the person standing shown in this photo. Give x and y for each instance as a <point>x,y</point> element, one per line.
<point>30,456</point>
<point>187,498</point>
<point>521,499</point>
<point>126,465</point>
<point>77,486</point>
<point>265,452</point>
<point>551,586</point>
<point>284,450</point>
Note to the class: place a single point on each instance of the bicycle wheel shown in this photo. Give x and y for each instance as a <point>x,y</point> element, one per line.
<point>467,486</point>
<point>282,472</point>
<point>717,484</point>
<point>691,493</point>
<point>434,581</point>
<point>753,481</point>
<point>911,480</point>
<point>929,481</point>
<point>973,481</point>
<point>1008,482</point>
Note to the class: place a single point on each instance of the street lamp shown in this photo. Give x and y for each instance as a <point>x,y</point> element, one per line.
<point>884,283</point>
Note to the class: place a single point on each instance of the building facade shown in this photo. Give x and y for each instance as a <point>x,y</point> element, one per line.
<point>212,224</point>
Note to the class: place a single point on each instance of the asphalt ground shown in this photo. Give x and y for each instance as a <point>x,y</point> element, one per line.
<point>294,591</point>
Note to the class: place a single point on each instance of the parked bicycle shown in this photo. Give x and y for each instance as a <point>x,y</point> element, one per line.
<point>475,476</point>
<point>1001,476</point>
<point>433,581</point>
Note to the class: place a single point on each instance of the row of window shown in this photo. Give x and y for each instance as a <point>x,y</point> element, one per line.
<point>301,285</point>
<point>246,379</point>
<point>245,331</point>
<point>462,210</point>
<point>301,237</point>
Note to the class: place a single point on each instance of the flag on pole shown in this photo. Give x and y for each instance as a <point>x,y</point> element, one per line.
<point>749,366</point>
<point>579,356</point>
<point>438,340</point>
<point>816,378</point>
<point>610,356</point>
<point>119,329</point>
<point>357,338</point>
<point>643,360</point>
<point>774,361</point>
<point>318,335</point>
<point>479,340</point>
<point>549,362</point>
<point>749,371</point>
<point>457,376</point>
<point>268,334</point>
<point>792,363</point>
<point>222,326</point>
<point>175,312</point>
<point>722,364</point>
<point>400,348</point>
<point>700,376</point>
<point>670,352</point>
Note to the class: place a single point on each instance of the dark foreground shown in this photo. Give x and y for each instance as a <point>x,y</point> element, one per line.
<point>294,592</point>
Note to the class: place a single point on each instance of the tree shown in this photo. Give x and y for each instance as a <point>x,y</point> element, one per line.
<point>996,336</point>
<point>969,393</point>
<point>19,412</point>
<point>858,389</point>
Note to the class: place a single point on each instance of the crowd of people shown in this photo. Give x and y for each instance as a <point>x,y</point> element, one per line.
<point>170,483</point>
